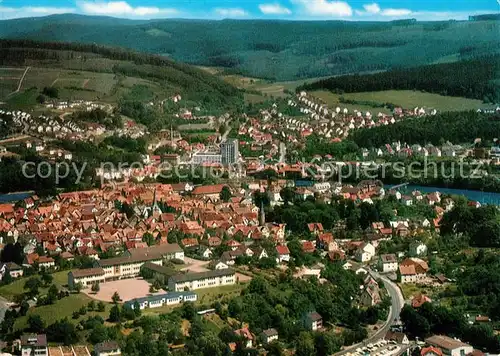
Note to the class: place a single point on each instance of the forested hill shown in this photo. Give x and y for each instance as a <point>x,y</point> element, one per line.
<point>281,50</point>
<point>477,79</point>
<point>193,83</point>
<point>454,127</point>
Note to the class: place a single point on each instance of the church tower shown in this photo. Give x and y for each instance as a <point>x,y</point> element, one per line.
<point>155,207</point>
<point>262,214</point>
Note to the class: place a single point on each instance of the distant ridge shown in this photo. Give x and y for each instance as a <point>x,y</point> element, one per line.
<point>485,17</point>
<point>271,49</point>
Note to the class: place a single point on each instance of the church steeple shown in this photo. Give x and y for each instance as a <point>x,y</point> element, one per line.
<point>262,214</point>
<point>155,207</point>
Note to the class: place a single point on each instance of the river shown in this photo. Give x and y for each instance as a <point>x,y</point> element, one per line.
<point>476,195</point>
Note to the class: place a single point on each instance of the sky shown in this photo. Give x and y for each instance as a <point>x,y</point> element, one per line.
<point>354,10</point>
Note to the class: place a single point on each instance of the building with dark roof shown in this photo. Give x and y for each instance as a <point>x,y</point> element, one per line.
<point>129,265</point>
<point>32,344</point>
<point>86,277</point>
<point>12,268</point>
<point>107,348</point>
<point>269,335</point>
<point>208,279</point>
<point>313,321</point>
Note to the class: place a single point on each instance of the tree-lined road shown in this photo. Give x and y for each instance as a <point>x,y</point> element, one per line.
<point>397,302</point>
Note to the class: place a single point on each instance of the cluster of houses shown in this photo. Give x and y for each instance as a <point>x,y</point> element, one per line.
<point>336,123</point>
<point>86,223</point>
<point>86,105</point>
<point>43,125</point>
<point>405,150</point>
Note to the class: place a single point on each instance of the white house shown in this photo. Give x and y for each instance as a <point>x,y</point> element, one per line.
<point>362,256</point>
<point>108,348</point>
<point>365,252</point>
<point>34,345</point>
<point>221,265</point>
<point>269,335</point>
<point>313,321</point>
<point>449,346</point>
<point>283,254</point>
<point>206,252</point>
<point>388,263</point>
<point>417,248</point>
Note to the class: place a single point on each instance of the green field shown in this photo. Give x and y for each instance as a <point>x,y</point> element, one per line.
<point>23,100</point>
<point>263,86</point>
<point>63,308</point>
<point>9,79</point>
<point>404,98</point>
<point>17,287</point>
<point>254,98</point>
<point>210,295</point>
<point>73,85</point>
<point>332,100</point>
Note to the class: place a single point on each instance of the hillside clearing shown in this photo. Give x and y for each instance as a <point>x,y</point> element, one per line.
<point>404,98</point>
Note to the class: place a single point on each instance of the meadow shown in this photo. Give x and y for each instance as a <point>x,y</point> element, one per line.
<point>404,98</point>
<point>62,308</point>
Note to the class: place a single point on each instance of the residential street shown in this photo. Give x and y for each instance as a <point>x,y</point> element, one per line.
<point>4,306</point>
<point>397,304</point>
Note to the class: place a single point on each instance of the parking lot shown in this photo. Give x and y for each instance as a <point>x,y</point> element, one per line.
<point>380,348</point>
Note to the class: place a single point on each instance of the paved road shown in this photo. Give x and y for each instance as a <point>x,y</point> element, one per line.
<point>396,306</point>
<point>4,306</point>
<point>228,130</point>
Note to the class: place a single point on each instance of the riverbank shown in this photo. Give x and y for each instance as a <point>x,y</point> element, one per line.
<point>475,195</point>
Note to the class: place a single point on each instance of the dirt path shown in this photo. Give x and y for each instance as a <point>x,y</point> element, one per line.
<point>22,79</point>
<point>85,82</point>
<point>14,139</point>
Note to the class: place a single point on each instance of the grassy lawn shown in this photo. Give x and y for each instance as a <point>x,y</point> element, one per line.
<point>187,127</point>
<point>405,98</point>
<point>254,98</point>
<point>411,290</point>
<point>332,100</point>
<point>63,308</point>
<point>210,295</point>
<point>23,100</point>
<point>17,287</point>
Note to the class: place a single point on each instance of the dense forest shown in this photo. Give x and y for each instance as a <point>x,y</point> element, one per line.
<point>480,225</point>
<point>470,79</point>
<point>193,83</point>
<point>280,50</point>
<point>456,127</point>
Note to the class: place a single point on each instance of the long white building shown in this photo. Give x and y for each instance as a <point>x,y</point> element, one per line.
<point>157,301</point>
<point>209,279</point>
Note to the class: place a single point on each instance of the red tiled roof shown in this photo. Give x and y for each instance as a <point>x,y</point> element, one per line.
<point>282,250</point>
<point>208,189</point>
<point>431,350</point>
<point>308,246</point>
<point>419,300</point>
